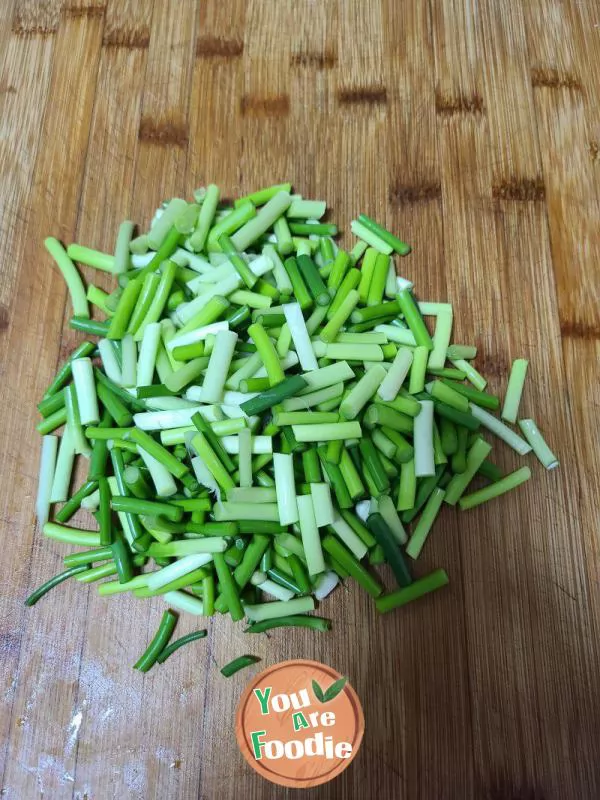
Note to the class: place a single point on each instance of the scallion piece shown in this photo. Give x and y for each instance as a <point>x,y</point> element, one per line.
<point>237,664</point>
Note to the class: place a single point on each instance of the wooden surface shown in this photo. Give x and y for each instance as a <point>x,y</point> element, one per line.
<point>473,130</point>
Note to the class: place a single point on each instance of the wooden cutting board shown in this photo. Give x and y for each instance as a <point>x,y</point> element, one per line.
<point>472,130</point>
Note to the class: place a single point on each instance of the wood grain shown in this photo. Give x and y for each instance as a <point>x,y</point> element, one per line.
<point>473,130</point>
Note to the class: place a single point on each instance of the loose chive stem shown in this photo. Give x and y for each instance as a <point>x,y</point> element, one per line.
<point>135,505</point>
<point>313,280</point>
<point>38,593</point>
<point>204,450</point>
<point>122,558</point>
<point>89,326</point>
<point>414,320</point>
<point>97,297</point>
<point>299,574</point>
<point>308,401</point>
<point>113,405</point>
<point>314,623</point>
<point>357,252</point>
<point>490,471</point>
<point>64,373</point>
<point>267,352</point>
<point>501,430</point>
<point>338,269</point>
<point>170,577</point>
<point>205,218</point>
<point>159,300</point>
<point>308,228</point>
<point>384,536</point>
<point>419,588</point>
<point>300,290</point>
<point>122,257</point>
<point>330,332</point>
<point>161,454</point>
<point>142,304</point>
<point>166,249</point>
<point>71,276</point>
<point>407,487</point>
<point>378,280</point>
<point>76,536</point>
<point>63,468</point>
<point>334,451</point>
<point>441,337</point>
<point>417,371</point>
<point>502,486</point>
<point>459,457</point>
<point>477,380</point>
<point>229,588</point>
<point>392,382</point>
<point>373,463</point>
<point>423,440</point>
<point>514,390</point>
<point>404,450</point>
<point>354,568</point>
<point>310,464</point>
<point>446,394</point>
<point>240,266</point>
<point>447,372</point>
<point>475,396</point>
<point>171,648</point>
<point>388,417</point>
<point>310,535</point>
<point>458,351</point>
<point>465,419</point>
<point>351,476</point>
<point>264,219</point>
<point>158,643</point>
<point>279,608</point>
<point>531,432</point>
<point>370,237</point>
<point>218,366</point>
<point>237,664</point>
<point>83,377</point>
<point>74,503</point>
<point>104,515</point>
<point>366,274</point>
<point>424,489</point>
<point>283,236</point>
<point>477,454</point>
<point>362,392</point>
<point>87,557</point>
<point>286,492</point>
<point>300,336</point>
<point>273,396</point>
<point>448,436</point>
<point>359,529</point>
<point>421,531</point>
<point>396,244</point>
<point>349,537</point>
<point>46,478</point>
<point>148,354</point>
<point>325,433</point>
<point>208,595</point>
<point>214,441</point>
<point>122,316</point>
<point>110,362</point>
<point>228,223</point>
<point>52,421</point>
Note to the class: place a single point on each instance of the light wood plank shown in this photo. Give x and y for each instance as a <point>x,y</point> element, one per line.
<point>46,642</point>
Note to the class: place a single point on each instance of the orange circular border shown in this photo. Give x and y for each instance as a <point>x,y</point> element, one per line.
<point>268,773</point>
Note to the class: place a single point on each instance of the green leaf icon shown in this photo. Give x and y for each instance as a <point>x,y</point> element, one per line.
<point>331,693</point>
<point>335,689</point>
<point>318,692</point>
